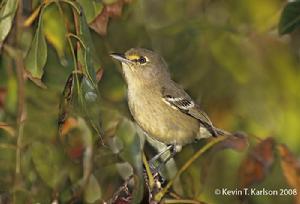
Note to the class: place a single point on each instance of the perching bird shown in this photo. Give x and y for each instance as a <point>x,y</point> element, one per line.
<point>159,105</point>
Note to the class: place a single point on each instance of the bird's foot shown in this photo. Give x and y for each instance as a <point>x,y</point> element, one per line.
<point>155,169</point>
<point>157,156</point>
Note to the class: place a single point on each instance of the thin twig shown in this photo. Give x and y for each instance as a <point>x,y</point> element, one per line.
<point>160,195</point>
<point>78,39</point>
<point>148,171</point>
<point>77,30</point>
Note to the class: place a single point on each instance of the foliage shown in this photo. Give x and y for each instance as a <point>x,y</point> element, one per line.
<point>290,19</point>
<point>66,133</point>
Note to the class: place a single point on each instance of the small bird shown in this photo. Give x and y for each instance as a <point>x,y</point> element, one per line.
<point>160,106</point>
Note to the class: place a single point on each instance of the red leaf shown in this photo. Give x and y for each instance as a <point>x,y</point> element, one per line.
<point>2,96</point>
<point>257,163</point>
<point>99,24</point>
<point>75,152</point>
<point>115,9</point>
<point>291,168</point>
<point>239,143</point>
<point>67,125</point>
<point>99,74</point>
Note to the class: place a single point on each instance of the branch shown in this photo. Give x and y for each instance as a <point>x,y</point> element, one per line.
<point>21,95</point>
<point>161,194</point>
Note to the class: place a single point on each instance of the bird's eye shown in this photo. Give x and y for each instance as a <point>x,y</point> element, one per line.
<point>142,60</point>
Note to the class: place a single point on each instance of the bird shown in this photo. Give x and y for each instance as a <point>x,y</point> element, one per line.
<point>160,106</point>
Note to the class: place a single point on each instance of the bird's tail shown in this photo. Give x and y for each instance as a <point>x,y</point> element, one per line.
<point>222,132</point>
<point>226,133</point>
<point>206,132</point>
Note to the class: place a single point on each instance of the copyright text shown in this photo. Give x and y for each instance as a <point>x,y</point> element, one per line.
<point>256,192</point>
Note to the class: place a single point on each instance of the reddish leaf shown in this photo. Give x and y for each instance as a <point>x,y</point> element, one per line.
<point>2,96</point>
<point>99,24</point>
<point>115,9</point>
<point>99,74</point>
<point>239,143</point>
<point>257,163</point>
<point>75,152</point>
<point>67,125</point>
<point>73,145</point>
<point>291,168</point>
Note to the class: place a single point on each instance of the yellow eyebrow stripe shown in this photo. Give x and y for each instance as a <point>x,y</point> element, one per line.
<point>133,57</point>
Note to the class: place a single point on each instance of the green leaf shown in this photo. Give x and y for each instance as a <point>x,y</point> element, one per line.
<point>132,153</point>
<point>87,57</point>
<point>290,18</point>
<point>7,14</point>
<point>131,143</point>
<point>37,55</point>
<point>86,54</point>
<point>92,191</point>
<point>81,98</point>
<point>91,104</point>
<point>91,9</point>
<point>55,30</point>
<point>49,162</point>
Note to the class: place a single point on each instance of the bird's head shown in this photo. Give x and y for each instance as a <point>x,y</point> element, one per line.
<point>142,66</point>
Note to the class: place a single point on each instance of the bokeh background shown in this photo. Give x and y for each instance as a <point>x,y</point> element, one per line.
<point>229,57</point>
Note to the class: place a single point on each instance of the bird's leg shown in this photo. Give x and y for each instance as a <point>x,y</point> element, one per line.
<point>157,156</point>
<point>173,150</point>
<point>172,154</point>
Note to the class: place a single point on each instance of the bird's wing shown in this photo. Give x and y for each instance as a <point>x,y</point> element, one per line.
<point>176,97</point>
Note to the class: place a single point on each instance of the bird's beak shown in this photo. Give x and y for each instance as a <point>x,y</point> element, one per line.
<point>121,58</point>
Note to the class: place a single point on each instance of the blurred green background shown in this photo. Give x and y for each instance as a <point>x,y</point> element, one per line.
<point>227,54</point>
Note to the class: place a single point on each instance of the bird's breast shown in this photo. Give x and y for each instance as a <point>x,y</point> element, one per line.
<point>160,120</point>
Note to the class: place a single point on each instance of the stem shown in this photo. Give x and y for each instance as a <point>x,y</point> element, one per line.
<point>21,96</point>
<point>19,146</point>
<point>78,39</point>
<point>160,195</point>
<point>21,90</point>
<point>148,171</point>
<point>73,5</point>
<point>77,33</point>
<point>73,53</point>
